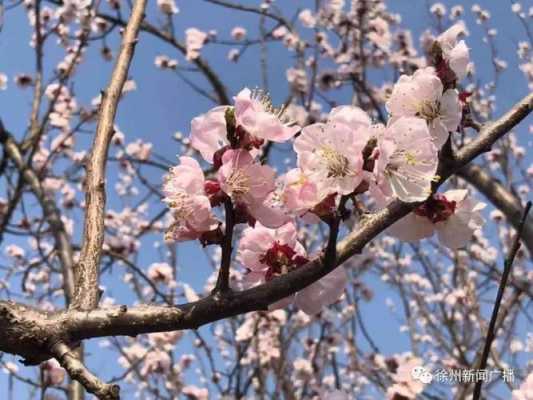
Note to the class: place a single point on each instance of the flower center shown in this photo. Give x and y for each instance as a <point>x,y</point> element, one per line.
<point>428,110</point>
<point>181,206</point>
<point>437,208</point>
<point>239,182</point>
<point>336,163</point>
<point>398,163</point>
<point>281,258</point>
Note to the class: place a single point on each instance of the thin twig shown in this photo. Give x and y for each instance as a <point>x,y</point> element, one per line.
<point>505,275</point>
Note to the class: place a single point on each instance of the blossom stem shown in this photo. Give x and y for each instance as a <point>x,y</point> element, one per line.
<point>491,332</point>
<point>330,261</point>
<point>222,284</point>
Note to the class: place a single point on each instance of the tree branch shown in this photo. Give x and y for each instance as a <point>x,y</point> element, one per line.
<point>76,370</point>
<point>501,198</point>
<point>86,295</point>
<point>203,66</point>
<point>50,211</point>
<point>505,276</point>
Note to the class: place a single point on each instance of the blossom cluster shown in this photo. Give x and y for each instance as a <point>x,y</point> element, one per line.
<point>341,157</point>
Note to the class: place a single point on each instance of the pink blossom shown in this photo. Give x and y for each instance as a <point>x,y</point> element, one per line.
<point>455,52</point>
<point>194,41</point>
<point>3,81</point>
<point>167,6</point>
<point>238,33</point>
<point>421,95</point>
<point>185,195</point>
<point>330,155</point>
<point>53,373</point>
<point>307,18</point>
<point>452,215</point>
<point>256,120</point>
<point>14,251</point>
<point>323,292</point>
<point>268,253</point>
<point>525,392</point>
<point>156,362</point>
<point>139,150</point>
<point>406,161</point>
<point>161,272</point>
<point>255,113</point>
<point>299,194</point>
<point>353,117</point>
<point>407,378</point>
<point>195,393</point>
<point>249,185</point>
<point>208,132</point>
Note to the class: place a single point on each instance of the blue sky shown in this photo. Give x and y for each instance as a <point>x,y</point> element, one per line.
<point>162,105</point>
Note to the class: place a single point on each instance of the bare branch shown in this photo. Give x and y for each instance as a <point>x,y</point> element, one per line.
<point>501,198</point>
<point>80,373</point>
<point>50,210</point>
<point>203,66</point>
<point>86,296</point>
<point>506,272</point>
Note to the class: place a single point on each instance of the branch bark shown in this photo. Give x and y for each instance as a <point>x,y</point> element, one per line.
<point>76,370</point>
<point>501,198</point>
<point>86,296</point>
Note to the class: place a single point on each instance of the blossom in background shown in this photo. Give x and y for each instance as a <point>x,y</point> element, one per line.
<point>139,150</point>
<point>238,33</point>
<point>405,161</point>
<point>268,253</point>
<point>3,81</point>
<point>186,197</point>
<point>525,392</point>
<point>161,272</point>
<point>156,362</point>
<point>452,215</point>
<point>194,41</point>
<point>167,7</point>
<point>330,155</point>
<point>421,95</point>
<point>196,393</point>
<point>53,373</point>
<point>164,62</point>
<point>454,51</point>
<point>405,385</point>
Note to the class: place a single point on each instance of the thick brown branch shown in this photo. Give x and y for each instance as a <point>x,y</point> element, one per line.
<point>501,198</point>
<point>86,296</point>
